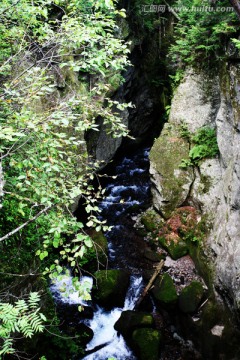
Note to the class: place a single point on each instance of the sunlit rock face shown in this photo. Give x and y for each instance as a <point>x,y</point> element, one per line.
<point>214,187</point>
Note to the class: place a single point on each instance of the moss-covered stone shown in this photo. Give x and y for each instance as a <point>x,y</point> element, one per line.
<point>111,287</point>
<point>171,183</point>
<point>175,247</point>
<point>151,220</point>
<point>146,343</point>
<point>131,320</point>
<point>190,297</point>
<point>164,291</point>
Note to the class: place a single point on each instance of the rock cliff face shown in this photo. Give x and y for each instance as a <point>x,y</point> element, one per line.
<point>213,187</point>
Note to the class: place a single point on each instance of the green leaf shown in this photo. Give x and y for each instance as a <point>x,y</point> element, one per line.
<point>43,255</point>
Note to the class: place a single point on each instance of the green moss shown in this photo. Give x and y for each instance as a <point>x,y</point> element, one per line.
<point>151,220</point>
<point>164,290</point>
<point>131,320</point>
<point>147,343</point>
<point>111,287</point>
<point>190,297</point>
<point>166,156</point>
<point>176,249</point>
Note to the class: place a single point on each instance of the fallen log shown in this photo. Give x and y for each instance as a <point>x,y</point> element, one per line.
<point>149,285</point>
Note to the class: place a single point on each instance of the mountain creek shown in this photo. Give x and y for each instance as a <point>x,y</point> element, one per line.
<point>170,320</point>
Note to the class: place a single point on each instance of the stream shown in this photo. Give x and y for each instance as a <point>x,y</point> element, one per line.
<point>127,191</point>
<point>127,194</point>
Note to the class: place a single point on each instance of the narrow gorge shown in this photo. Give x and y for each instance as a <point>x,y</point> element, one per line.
<point>120,180</point>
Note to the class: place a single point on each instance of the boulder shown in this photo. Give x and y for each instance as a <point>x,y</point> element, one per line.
<point>131,320</point>
<point>151,220</point>
<point>190,297</point>
<point>146,343</point>
<point>175,246</point>
<point>164,291</point>
<point>171,184</point>
<point>111,287</point>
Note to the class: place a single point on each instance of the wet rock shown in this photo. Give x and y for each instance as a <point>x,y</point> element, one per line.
<point>190,297</point>
<point>131,320</point>
<point>146,343</point>
<point>164,291</point>
<point>111,287</point>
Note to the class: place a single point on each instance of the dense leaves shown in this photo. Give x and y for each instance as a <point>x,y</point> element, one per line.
<point>202,33</point>
<point>56,63</point>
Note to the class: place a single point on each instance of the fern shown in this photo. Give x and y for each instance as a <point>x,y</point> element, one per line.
<point>204,146</point>
<point>24,317</point>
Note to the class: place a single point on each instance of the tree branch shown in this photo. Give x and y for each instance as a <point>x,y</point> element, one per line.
<point>24,224</point>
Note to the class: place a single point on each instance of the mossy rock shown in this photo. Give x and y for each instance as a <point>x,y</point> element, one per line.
<point>151,220</point>
<point>164,291</point>
<point>190,297</point>
<point>111,287</point>
<point>131,320</point>
<point>146,343</point>
<point>176,249</point>
<point>172,183</point>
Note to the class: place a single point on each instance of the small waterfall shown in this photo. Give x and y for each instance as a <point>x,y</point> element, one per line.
<point>103,327</point>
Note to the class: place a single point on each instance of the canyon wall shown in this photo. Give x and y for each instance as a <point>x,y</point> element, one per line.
<point>213,187</point>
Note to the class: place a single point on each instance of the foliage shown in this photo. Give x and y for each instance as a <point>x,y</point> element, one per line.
<point>56,59</point>
<point>22,318</point>
<point>176,78</point>
<point>205,146</point>
<point>200,35</point>
<point>236,42</point>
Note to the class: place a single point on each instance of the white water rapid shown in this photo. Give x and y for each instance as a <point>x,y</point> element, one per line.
<point>102,325</point>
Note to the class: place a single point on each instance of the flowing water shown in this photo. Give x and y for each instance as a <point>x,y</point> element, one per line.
<point>127,191</point>
<point>103,326</point>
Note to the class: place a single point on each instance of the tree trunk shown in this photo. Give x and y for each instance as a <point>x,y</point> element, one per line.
<point>236,5</point>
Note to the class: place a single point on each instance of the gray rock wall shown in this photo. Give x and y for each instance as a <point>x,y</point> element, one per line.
<point>201,100</point>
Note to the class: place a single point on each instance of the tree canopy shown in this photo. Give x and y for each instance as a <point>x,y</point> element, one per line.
<point>57,59</point>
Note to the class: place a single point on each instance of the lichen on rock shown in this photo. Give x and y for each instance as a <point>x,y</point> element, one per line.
<point>171,184</point>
